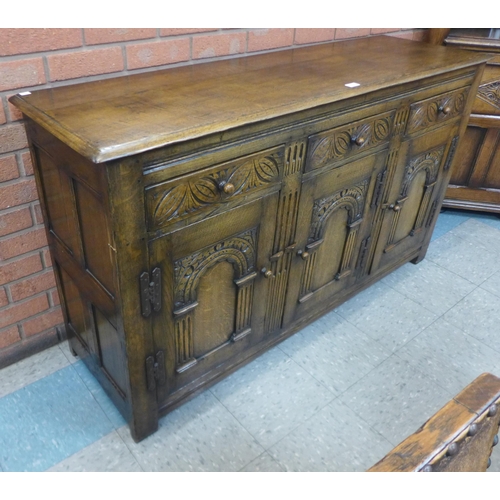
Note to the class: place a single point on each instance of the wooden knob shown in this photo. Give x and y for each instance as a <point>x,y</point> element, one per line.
<point>227,187</point>
<point>359,141</point>
<point>444,109</point>
<point>266,272</point>
<point>303,254</point>
<point>395,207</point>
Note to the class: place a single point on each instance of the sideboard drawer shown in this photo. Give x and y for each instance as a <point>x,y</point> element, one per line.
<point>210,189</point>
<point>432,112</point>
<point>340,143</point>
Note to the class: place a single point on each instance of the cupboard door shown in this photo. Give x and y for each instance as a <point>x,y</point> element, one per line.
<point>218,271</point>
<point>422,166</point>
<point>335,212</point>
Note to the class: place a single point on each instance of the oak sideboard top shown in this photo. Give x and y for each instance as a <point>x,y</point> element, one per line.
<point>112,118</point>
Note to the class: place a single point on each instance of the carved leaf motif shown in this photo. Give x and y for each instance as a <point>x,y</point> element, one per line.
<point>205,190</point>
<point>337,144</point>
<point>267,169</point>
<point>427,113</point>
<point>190,196</point>
<point>490,92</point>
<point>169,205</point>
<point>254,173</point>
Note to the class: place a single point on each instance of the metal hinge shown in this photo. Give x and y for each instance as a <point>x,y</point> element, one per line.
<point>155,370</point>
<point>150,291</point>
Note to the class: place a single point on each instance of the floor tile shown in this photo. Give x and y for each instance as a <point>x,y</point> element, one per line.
<point>476,231</point>
<point>263,463</point>
<point>199,436</point>
<point>450,357</point>
<point>386,315</point>
<point>333,440</point>
<point>271,396</point>
<point>448,220</point>
<point>99,395</point>
<point>492,284</point>
<point>64,346</point>
<point>334,352</point>
<point>108,454</point>
<point>491,219</point>
<point>29,370</point>
<point>468,259</point>
<point>429,285</point>
<point>47,421</point>
<point>478,315</point>
<point>395,399</point>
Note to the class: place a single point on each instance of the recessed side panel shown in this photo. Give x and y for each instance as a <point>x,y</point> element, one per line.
<point>111,352</point>
<point>95,236</point>
<point>77,313</point>
<point>59,202</point>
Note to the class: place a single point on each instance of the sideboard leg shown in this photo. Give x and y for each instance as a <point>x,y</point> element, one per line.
<point>141,430</point>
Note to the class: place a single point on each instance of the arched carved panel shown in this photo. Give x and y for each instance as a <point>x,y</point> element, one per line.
<point>238,250</point>
<point>428,162</point>
<point>352,199</point>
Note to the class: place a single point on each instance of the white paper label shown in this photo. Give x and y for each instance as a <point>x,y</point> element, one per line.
<point>352,85</point>
<point>24,93</point>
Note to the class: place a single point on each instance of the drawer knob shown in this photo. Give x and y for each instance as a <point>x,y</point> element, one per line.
<point>266,272</point>
<point>444,109</point>
<point>227,187</point>
<point>395,207</point>
<point>303,255</point>
<point>359,140</point>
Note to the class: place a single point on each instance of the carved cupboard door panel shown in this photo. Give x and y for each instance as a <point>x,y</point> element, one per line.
<point>413,200</point>
<point>214,309</point>
<point>335,212</point>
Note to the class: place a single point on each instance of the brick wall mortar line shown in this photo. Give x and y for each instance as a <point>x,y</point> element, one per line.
<point>27,254</point>
<point>10,210</point>
<point>34,275</point>
<point>25,300</point>
<point>24,337</point>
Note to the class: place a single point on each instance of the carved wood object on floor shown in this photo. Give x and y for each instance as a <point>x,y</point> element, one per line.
<point>458,438</point>
<point>197,216</point>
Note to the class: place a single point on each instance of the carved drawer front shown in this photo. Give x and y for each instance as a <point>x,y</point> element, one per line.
<point>209,190</point>
<point>488,94</point>
<point>341,143</point>
<point>436,110</point>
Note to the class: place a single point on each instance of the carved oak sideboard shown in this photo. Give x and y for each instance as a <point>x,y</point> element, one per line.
<point>199,215</point>
<point>475,179</point>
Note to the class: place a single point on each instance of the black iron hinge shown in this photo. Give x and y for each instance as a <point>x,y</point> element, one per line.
<point>150,291</point>
<point>155,370</point>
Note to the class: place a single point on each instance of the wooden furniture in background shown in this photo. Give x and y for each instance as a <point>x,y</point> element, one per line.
<point>199,215</point>
<point>458,438</point>
<point>475,179</point>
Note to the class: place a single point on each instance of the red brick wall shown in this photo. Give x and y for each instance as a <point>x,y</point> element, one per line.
<point>30,314</point>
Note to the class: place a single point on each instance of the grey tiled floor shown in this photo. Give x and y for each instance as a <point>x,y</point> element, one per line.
<point>336,396</point>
